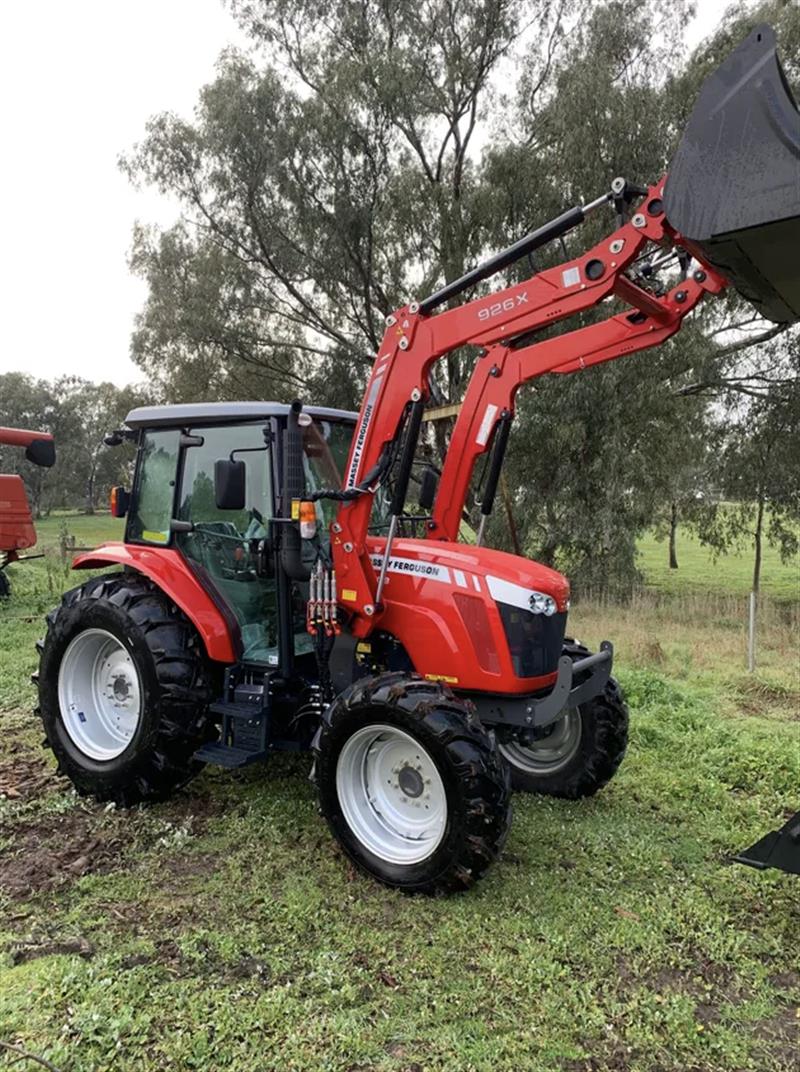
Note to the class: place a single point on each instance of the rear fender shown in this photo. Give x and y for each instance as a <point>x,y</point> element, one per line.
<point>168,569</point>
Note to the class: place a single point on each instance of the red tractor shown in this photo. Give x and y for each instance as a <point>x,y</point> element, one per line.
<point>16,521</point>
<point>277,592</point>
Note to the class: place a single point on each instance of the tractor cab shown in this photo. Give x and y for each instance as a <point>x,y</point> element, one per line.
<point>207,486</point>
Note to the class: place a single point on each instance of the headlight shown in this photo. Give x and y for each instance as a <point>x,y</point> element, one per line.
<point>542,604</point>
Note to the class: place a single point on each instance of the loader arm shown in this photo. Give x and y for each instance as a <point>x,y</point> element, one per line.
<point>491,391</point>
<point>414,340</point>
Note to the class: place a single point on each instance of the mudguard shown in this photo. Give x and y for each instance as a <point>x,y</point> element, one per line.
<point>733,189</point>
<point>169,571</point>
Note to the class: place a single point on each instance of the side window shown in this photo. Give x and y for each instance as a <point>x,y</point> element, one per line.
<point>155,487</point>
<point>197,501</point>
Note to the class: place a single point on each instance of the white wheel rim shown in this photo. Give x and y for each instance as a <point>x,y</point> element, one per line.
<point>99,694</point>
<point>391,794</point>
<point>550,753</point>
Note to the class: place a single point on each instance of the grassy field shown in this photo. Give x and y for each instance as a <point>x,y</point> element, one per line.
<point>224,930</point>
<point>698,571</point>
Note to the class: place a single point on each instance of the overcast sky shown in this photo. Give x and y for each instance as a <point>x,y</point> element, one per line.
<point>78,81</point>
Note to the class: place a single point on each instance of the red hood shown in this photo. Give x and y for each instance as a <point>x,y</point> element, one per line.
<point>459,564</point>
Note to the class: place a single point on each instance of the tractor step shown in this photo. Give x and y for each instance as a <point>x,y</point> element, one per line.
<point>243,713</point>
<point>224,755</point>
<point>239,711</point>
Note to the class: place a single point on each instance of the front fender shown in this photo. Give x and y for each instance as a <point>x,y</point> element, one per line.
<point>168,569</point>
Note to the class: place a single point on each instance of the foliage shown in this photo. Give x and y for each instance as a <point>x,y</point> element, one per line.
<point>359,154</point>
<point>78,413</point>
<point>756,470</point>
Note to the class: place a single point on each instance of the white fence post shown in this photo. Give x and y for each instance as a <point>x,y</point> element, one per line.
<point>751,635</point>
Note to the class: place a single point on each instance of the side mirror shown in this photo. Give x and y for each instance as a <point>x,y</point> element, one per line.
<point>41,452</point>
<point>229,484</point>
<point>427,487</point>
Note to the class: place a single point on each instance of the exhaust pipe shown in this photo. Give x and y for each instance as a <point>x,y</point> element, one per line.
<point>294,486</point>
<point>733,188</point>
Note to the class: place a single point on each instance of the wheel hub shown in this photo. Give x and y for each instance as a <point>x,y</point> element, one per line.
<point>410,782</point>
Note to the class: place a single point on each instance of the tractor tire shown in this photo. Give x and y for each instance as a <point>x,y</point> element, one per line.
<point>582,751</point>
<point>123,690</point>
<point>5,586</point>
<point>411,784</point>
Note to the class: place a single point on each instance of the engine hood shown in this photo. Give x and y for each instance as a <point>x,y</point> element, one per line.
<point>507,578</point>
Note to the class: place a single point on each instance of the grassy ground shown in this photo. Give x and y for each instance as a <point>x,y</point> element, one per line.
<point>698,571</point>
<point>224,930</point>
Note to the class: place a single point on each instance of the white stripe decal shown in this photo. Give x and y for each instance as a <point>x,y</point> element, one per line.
<point>486,425</point>
<point>461,580</point>
<point>508,592</point>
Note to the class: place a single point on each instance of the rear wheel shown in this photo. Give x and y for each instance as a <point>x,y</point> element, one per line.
<point>123,690</point>
<point>5,587</point>
<point>579,753</point>
<point>411,784</point>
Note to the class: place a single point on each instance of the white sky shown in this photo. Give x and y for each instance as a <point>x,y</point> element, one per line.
<point>78,81</point>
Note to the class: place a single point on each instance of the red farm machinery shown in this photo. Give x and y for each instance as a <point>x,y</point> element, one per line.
<point>17,532</point>
<point>277,592</point>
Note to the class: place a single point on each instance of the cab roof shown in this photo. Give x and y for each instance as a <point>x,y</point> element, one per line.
<point>194,413</point>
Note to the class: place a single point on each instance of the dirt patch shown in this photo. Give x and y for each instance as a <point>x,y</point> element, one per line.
<point>707,982</point>
<point>55,850</point>
<point>783,1026</point>
<point>25,951</point>
<point>24,774</point>
<point>192,811</point>
<point>789,981</point>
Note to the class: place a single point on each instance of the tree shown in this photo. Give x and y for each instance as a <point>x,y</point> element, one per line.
<point>757,473</point>
<point>78,414</point>
<point>87,467</point>
<point>325,185</point>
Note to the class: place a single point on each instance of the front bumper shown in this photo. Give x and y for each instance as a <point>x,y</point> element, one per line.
<point>578,681</point>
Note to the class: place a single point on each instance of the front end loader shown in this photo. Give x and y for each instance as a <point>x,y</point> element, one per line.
<point>278,591</point>
<point>17,532</point>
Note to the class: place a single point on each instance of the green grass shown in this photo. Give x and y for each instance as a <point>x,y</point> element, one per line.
<point>224,930</point>
<point>699,571</point>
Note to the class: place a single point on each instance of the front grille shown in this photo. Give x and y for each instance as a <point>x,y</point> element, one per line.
<point>534,640</point>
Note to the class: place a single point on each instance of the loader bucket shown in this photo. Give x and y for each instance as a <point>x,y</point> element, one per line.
<point>733,189</point>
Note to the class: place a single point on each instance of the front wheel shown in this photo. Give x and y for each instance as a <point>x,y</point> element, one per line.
<point>579,753</point>
<point>411,784</point>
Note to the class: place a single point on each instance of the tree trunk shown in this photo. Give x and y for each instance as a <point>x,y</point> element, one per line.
<point>757,543</point>
<point>90,491</point>
<point>673,532</point>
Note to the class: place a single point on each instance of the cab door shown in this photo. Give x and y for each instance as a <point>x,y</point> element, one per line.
<point>225,547</point>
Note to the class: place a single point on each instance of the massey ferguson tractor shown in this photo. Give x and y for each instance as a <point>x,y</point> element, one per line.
<point>16,521</point>
<point>277,591</point>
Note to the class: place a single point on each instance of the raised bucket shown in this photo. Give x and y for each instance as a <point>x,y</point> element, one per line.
<point>733,188</point>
